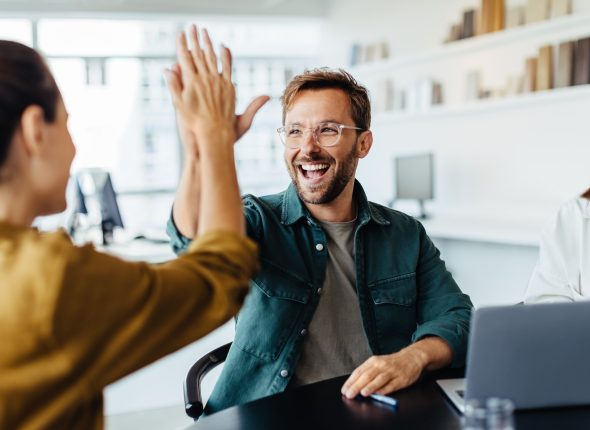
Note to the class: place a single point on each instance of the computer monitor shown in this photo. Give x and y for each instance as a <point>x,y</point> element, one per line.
<point>78,204</point>
<point>109,208</point>
<point>97,187</point>
<point>414,179</point>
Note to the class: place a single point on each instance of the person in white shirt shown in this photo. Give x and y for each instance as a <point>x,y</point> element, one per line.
<point>563,270</point>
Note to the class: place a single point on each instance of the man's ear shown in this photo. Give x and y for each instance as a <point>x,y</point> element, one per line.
<point>364,144</point>
<point>32,124</point>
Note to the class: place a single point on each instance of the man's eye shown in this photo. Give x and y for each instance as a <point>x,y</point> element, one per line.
<point>328,130</point>
<point>294,132</point>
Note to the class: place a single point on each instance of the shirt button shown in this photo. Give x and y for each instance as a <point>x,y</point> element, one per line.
<point>284,373</point>
<point>319,291</point>
<point>319,247</point>
<point>303,332</point>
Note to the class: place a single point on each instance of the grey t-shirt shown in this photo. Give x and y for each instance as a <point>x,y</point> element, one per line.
<point>335,344</point>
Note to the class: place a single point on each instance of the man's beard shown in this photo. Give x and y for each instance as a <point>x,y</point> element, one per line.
<point>333,188</point>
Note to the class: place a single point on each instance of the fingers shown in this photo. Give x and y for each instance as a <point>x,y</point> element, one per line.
<point>390,387</point>
<point>349,387</point>
<point>226,63</point>
<point>187,65</point>
<point>176,70</point>
<point>254,107</point>
<point>197,52</point>
<point>358,384</point>
<point>244,121</point>
<point>376,383</point>
<point>210,57</point>
<point>174,85</point>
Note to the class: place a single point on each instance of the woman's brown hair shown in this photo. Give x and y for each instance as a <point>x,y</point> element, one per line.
<point>25,80</point>
<point>586,195</point>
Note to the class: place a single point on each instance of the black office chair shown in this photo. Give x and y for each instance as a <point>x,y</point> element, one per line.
<point>193,401</point>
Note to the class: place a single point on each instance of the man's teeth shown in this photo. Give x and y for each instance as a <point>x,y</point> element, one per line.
<point>312,167</point>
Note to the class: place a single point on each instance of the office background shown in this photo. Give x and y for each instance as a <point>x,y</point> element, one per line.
<point>502,164</point>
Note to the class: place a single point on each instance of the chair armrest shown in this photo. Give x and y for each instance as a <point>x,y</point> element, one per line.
<point>193,401</point>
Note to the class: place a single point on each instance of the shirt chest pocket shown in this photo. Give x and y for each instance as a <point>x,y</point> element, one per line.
<point>271,312</point>
<point>394,302</point>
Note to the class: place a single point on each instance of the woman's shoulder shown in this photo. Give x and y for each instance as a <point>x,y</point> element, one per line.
<point>576,208</point>
<point>43,248</point>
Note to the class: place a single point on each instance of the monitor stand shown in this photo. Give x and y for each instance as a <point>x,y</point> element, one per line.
<point>422,214</point>
<point>421,210</point>
<point>107,226</point>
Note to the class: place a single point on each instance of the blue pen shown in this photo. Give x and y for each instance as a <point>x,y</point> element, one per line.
<point>390,401</point>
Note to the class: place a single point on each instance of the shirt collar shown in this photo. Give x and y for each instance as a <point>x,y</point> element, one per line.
<point>294,209</point>
<point>585,207</point>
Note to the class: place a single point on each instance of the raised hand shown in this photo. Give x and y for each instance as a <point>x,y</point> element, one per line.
<point>203,97</point>
<point>174,77</point>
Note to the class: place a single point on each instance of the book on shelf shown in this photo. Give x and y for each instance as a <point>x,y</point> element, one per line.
<point>582,62</point>
<point>355,54</point>
<point>384,96</point>
<point>530,75</point>
<point>477,22</point>
<point>499,16</point>
<point>537,10</point>
<point>515,17</point>
<point>455,33</point>
<point>545,69</point>
<point>565,65</point>
<point>560,8</point>
<point>468,24</point>
<point>492,15</point>
<point>382,49</point>
<point>369,52</point>
<point>514,85</point>
<point>437,94</point>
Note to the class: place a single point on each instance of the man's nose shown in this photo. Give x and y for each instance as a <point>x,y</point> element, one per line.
<point>310,143</point>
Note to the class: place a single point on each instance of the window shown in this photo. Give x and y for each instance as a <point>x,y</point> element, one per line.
<point>121,116</point>
<point>19,30</point>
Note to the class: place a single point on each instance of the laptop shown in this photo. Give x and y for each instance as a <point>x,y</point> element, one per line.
<point>536,355</point>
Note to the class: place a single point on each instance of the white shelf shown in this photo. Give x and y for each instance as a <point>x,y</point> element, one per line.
<point>487,105</point>
<point>518,231</point>
<point>478,43</point>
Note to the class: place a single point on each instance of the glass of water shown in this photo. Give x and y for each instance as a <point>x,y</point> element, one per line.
<point>499,414</point>
<point>474,416</point>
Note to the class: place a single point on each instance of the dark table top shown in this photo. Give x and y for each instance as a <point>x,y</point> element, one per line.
<point>420,407</point>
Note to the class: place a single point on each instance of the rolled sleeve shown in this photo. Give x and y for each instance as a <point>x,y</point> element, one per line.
<point>443,310</point>
<point>178,241</point>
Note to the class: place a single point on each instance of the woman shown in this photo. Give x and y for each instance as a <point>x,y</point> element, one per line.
<point>563,270</point>
<point>73,320</point>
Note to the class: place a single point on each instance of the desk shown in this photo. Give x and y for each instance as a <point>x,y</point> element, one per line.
<point>420,407</point>
<point>140,250</point>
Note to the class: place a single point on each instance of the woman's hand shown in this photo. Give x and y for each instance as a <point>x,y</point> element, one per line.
<point>203,97</point>
<point>243,122</point>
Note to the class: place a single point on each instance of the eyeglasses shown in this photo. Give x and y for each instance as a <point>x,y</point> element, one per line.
<point>325,134</point>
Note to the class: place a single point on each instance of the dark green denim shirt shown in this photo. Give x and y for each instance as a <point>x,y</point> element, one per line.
<point>404,290</point>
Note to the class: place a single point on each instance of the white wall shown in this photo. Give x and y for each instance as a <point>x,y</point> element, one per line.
<point>518,160</point>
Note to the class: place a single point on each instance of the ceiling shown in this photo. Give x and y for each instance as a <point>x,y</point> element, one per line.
<point>310,8</point>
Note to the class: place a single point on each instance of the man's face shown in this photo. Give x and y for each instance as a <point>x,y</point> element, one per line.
<point>321,173</point>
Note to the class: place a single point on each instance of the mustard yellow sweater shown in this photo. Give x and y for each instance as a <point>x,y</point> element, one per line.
<point>73,320</point>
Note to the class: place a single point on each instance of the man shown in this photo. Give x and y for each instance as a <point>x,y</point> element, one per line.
<point>346,285</point>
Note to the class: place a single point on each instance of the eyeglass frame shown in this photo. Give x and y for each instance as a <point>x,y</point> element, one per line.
<point>313,130</point>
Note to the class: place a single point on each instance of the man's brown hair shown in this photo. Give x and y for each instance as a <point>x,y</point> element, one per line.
<point>325,78</point>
